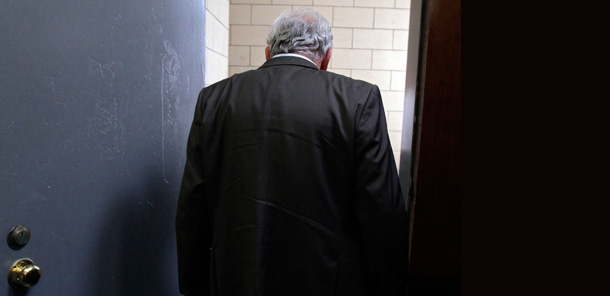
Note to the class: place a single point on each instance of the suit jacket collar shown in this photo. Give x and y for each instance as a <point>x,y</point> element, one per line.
<point>288,60</point>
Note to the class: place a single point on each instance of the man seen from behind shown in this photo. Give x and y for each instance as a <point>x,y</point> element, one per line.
<point>290,186</point>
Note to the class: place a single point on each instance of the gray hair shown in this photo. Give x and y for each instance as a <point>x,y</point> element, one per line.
<point>303,31</point>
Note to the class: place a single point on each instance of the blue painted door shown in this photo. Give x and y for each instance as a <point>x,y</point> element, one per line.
<point>96,101</point>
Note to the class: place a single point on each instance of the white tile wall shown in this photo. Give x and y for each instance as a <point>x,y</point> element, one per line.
<point>373,38</point>
<point>393,101</point>
<point>394,121</point>
<point>325,11</point>
<point>383,79</point>
<point>351,58</point>
<point>342,37</point>
<point>333,2</point>
<point>215,67</point>
<point>375,3</point>
<point>389,59</point>
<point>403,4</point>
<point>220,10</point>
<point>395,138</point>
<point>398,80</point>
<point>249,35</point>
<point>353,17</point>
<point>266,14</point>
<point>298,2</point>
<point>392,18</point>
<point>217,24</point>
<point>239,55</point>
<point>240,14</point>
<point>257,56</point>
<point>250,1</point>
<point>401,39</point>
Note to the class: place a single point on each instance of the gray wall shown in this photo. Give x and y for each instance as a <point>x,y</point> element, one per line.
<point>96,100</point>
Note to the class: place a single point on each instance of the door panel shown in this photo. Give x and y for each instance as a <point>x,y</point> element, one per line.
<point>96,100</point>
<point>435,261</point>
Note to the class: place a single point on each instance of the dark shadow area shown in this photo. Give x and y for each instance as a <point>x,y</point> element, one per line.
<point>434,285</point>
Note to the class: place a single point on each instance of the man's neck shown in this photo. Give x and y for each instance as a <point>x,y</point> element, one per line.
<point>296,55</point>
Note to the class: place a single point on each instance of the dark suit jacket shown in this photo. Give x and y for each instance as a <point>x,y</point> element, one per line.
<point>290,188</point>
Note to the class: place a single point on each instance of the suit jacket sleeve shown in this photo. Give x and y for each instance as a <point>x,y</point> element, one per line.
<point>192,222</point>
<point>379,203</point>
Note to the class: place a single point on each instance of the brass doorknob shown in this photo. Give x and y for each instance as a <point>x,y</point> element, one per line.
<point>24,274</point>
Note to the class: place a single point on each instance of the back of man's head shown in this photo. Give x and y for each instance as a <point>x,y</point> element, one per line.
<point>303,31</point>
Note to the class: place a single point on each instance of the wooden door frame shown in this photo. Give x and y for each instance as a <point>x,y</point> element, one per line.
<point>430,144</point>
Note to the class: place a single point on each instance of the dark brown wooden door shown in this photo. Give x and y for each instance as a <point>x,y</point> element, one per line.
<point>435,263</point>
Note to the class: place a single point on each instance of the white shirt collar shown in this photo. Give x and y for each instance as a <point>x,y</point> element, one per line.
<point>293,55</point>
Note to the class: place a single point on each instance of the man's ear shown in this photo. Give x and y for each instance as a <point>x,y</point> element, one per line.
<point>326,60</point>
<point>267,53</point>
